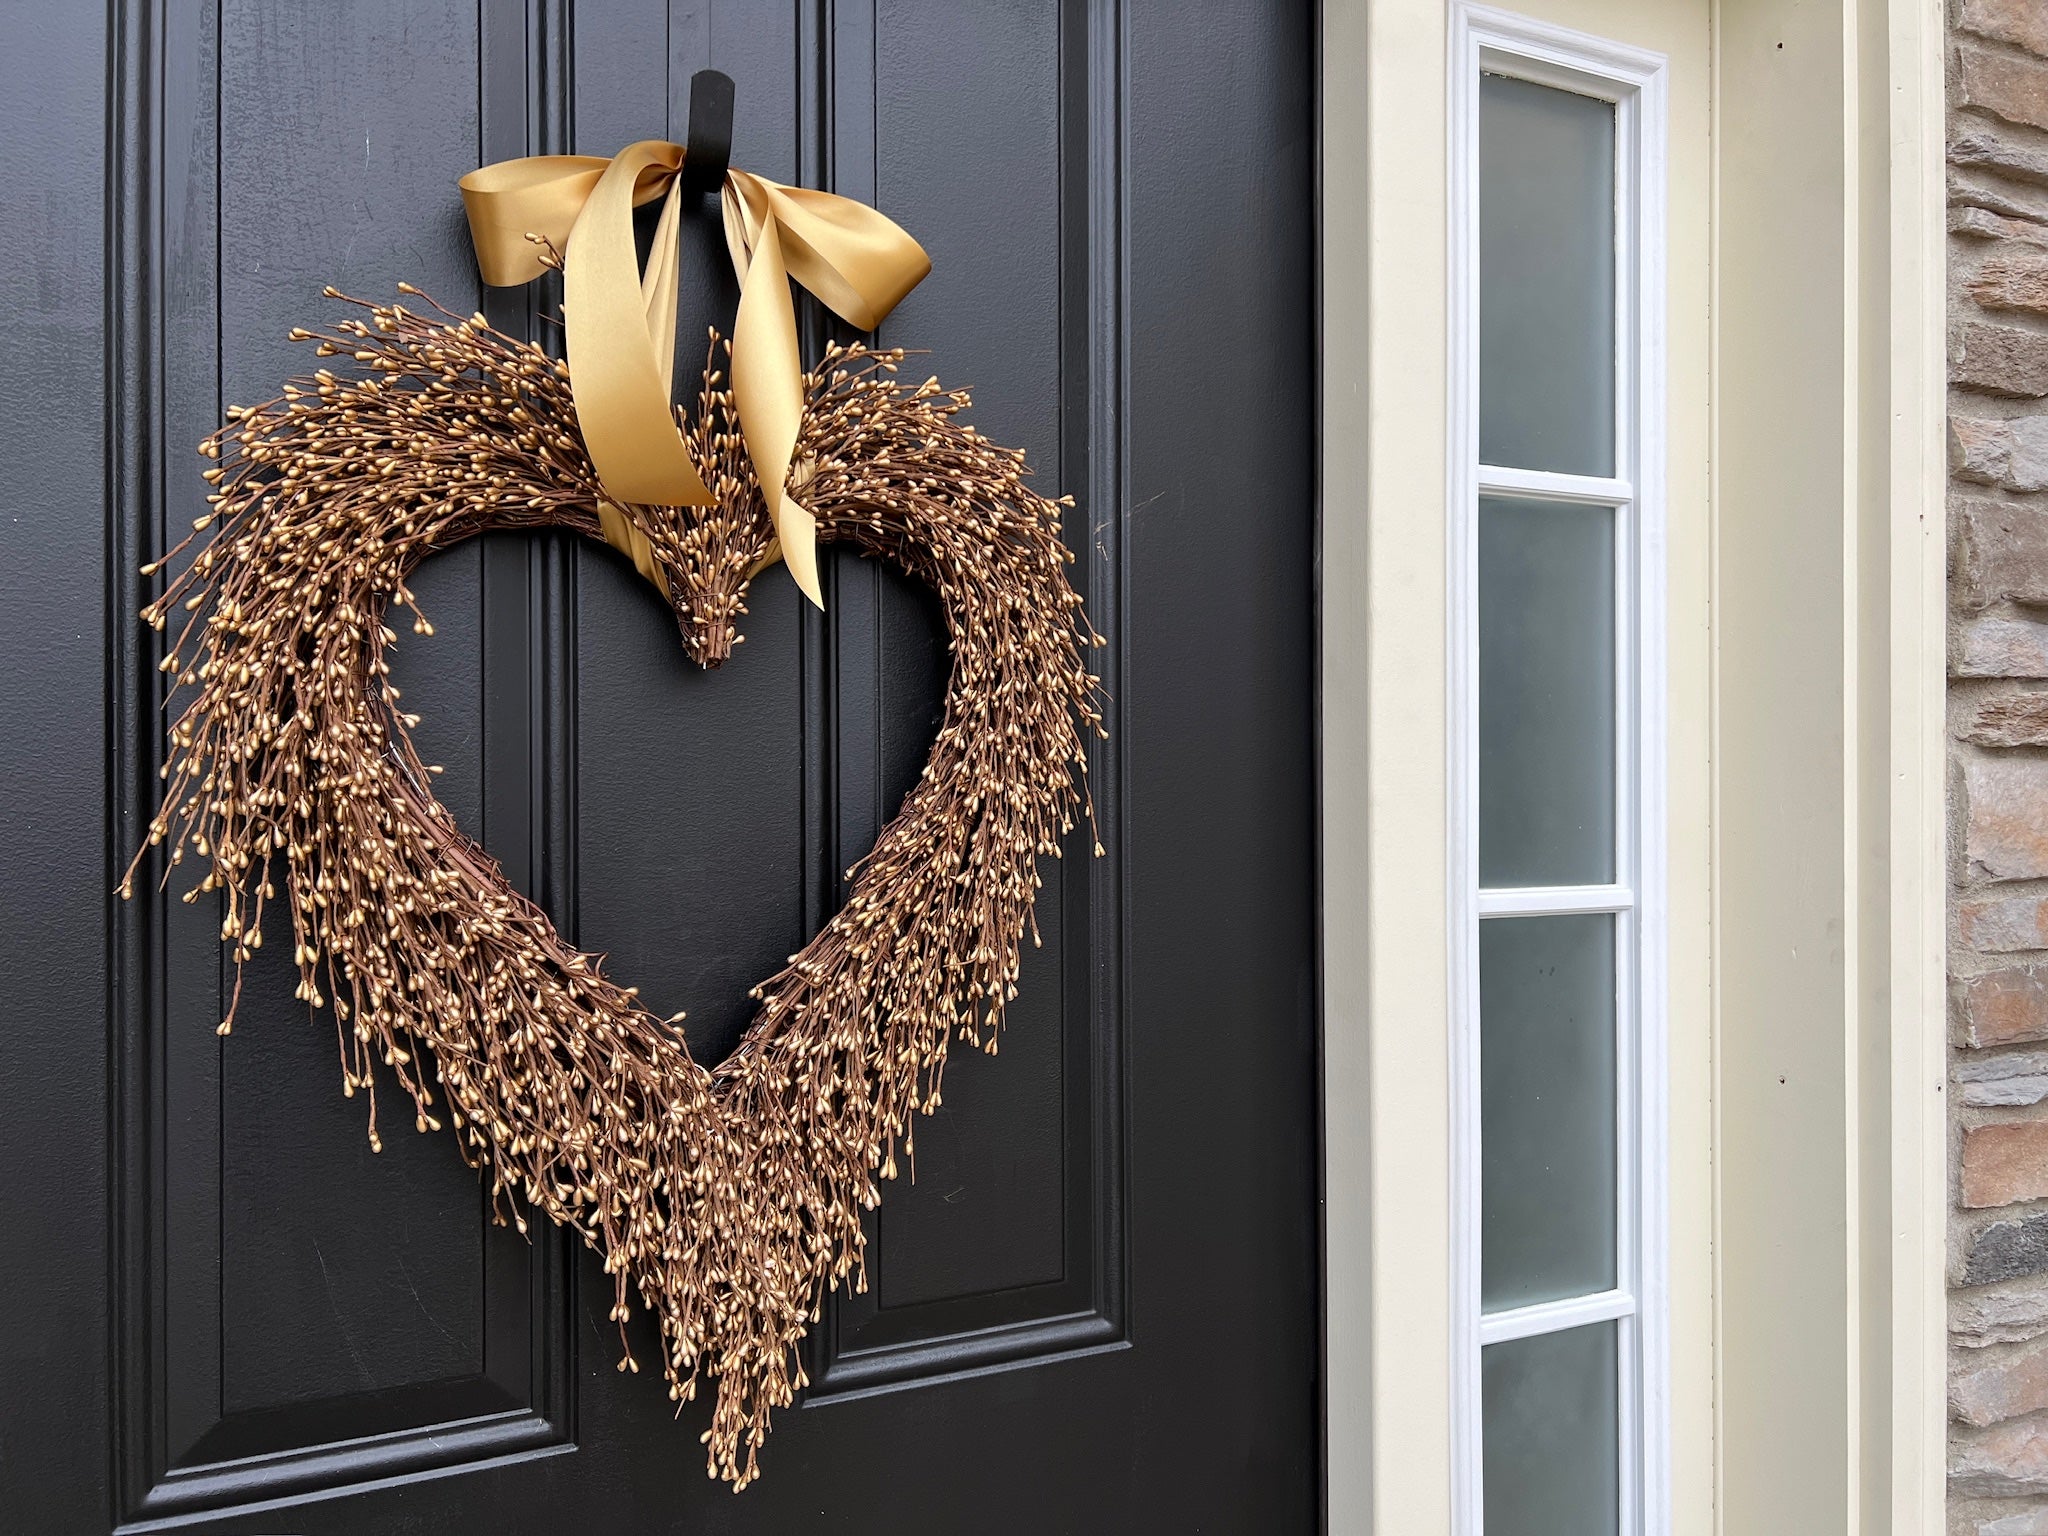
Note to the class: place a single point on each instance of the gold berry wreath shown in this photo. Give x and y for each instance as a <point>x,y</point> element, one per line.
<point>728,1197</point>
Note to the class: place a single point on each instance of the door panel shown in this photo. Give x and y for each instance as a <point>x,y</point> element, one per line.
<point>292,1174</point>
<point>1095,1305</point>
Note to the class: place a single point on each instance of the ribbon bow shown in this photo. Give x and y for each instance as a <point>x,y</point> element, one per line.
<point>620,325</point>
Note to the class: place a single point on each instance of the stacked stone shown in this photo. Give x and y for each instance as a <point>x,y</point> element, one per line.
<point>1998,718</point>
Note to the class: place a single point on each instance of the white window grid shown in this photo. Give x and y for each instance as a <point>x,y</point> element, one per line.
<point>1489,41</point>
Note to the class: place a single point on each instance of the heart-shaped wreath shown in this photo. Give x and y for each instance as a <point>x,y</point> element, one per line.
<point>728,1197</point>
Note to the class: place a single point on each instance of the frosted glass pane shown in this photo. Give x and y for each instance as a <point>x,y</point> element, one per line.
<point>1546,1108</point>
<point>1552,1434</point>
<point>1546,278</point>
<point>1546,694</point>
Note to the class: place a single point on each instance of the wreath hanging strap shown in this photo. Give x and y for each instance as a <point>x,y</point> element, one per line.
<point>725,1198</point>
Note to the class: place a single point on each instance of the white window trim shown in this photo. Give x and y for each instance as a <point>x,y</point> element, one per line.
<point>1635,80</point>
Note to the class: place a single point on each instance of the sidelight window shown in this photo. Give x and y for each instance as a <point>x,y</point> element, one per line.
<point>1556,800</point>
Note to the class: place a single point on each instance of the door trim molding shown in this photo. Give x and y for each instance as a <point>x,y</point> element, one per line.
<point>1916,299</point>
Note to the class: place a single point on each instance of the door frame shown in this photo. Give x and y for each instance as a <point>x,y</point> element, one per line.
<point>1809,1308</point>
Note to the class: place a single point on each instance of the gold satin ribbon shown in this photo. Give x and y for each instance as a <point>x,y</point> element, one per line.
<point>620,324</point>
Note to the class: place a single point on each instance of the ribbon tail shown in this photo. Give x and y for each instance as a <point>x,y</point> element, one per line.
<point>658,288</point>
<point>615,369</point>
<point>767,384</point>
<point>797,532</point>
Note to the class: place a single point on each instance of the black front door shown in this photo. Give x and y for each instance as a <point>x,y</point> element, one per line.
<point>1095,1310</point>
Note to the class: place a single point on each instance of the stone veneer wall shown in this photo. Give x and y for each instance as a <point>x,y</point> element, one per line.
<point>1998,774</point>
